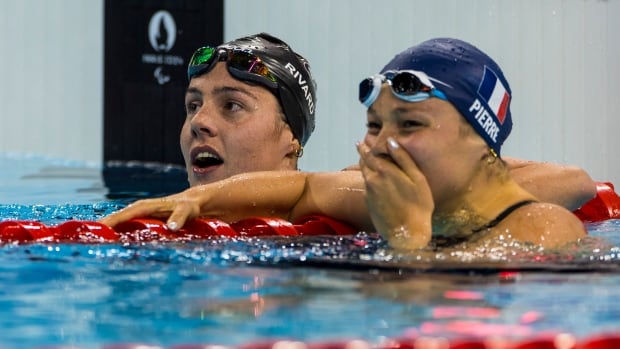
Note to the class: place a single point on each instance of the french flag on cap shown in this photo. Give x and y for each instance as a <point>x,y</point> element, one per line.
<point>494,92</point>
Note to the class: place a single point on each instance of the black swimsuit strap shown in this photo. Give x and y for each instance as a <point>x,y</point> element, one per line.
<point>443,241</point>
<point>504,214</point>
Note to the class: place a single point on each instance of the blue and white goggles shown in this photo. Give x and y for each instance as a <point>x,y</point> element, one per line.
<point>408,85</point>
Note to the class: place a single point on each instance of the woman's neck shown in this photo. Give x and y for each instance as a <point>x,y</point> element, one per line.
<point>480,204</point>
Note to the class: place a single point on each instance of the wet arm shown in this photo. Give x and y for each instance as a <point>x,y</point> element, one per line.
<point>340,195</point>
<point>567,186</point>
<point>287,195</point>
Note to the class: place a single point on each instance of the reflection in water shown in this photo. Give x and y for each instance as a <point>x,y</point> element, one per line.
<point>234,291</point>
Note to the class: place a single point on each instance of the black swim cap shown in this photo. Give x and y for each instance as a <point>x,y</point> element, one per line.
<point>296,88</point>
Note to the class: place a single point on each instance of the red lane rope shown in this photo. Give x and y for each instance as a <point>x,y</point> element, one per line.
<point>606,205</point>
<point>150,229</point>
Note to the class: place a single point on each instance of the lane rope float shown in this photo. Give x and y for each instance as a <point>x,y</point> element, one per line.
<point>605,205</point>
<point>150,229</point>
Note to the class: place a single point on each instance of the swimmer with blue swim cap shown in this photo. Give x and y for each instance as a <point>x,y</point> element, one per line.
<point>250,106</point>
<point>463,75</point>
<point>437,116</point>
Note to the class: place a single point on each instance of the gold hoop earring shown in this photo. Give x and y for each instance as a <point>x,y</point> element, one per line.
<point>493,156</point>
<point>299,152</point>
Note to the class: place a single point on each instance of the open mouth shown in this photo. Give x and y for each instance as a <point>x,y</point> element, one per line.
<point>206,159</point>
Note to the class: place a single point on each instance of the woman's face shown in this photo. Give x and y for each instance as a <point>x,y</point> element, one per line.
<point>439,140</point>
<point>233,127</point>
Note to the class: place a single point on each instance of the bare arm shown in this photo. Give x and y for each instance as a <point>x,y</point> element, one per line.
<point>284,194</point>
<point>567,186</point>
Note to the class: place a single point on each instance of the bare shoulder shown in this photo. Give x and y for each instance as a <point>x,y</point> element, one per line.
<point>514,163</point>
<point>546,224</point>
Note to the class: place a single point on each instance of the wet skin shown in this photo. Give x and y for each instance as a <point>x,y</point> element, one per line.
<point>233,127</point>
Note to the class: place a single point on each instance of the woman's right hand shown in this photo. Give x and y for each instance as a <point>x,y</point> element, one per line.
<point>176,209</point>
<point>398,196</point>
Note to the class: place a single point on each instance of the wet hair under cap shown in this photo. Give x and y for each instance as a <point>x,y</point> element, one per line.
<point>471,80</point>
<point>296,87</point>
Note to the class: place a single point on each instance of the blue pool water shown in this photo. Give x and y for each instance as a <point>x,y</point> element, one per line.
<point>240,291</point>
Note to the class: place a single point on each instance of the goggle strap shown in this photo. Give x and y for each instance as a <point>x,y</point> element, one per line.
<point>377,81</point>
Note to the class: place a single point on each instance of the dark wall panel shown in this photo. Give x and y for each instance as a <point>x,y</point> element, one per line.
<point>147,46</point>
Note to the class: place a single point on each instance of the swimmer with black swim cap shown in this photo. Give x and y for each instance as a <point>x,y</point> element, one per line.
<point>250,106</point>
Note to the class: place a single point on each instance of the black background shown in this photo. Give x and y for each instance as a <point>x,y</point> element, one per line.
<point>142,119</point>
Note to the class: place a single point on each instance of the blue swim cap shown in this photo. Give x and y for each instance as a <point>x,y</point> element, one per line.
<point>471,80</point>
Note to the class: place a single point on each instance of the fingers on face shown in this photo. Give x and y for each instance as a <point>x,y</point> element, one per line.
<point>398,154</point>
<point>363,151</point>
<point>401,157</point>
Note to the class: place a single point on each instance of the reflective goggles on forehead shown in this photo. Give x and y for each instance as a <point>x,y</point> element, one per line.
<point>241,64</point>
<point>408,85</point>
